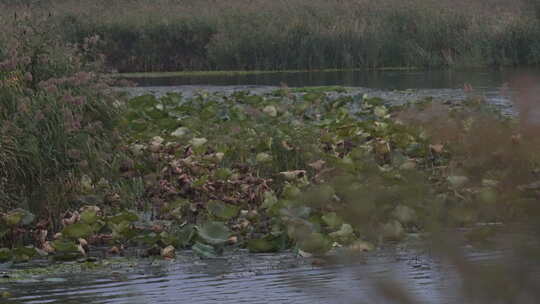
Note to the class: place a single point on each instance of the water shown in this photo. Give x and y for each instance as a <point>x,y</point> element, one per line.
<point>498,87</point>
<point>241,277</point>
<point>388,80</point>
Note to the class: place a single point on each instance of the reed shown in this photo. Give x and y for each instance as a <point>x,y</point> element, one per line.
<point>166,35</point>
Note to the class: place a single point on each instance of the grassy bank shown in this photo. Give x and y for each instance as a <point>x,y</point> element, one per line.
<point>165,35</point>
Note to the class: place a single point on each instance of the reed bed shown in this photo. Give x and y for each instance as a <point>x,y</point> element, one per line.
<point>166,35</point>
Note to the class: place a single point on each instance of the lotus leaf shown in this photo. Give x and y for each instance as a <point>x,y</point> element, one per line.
<point>315,243</point>
<point>126,216</point>
<point>18,217</point>
<point>269,243</point>
<point>77,230</point>
<point>332,220</point>
<point>204,251</point>
<point>222,210</point>
<point>64,246</point>
<point>89,216</point>
<point>344,235</point>
<point>457,181</point>
<point>5,255</point>
<point>214,233</point>
<point>23,254</point>
<point>270,199</point>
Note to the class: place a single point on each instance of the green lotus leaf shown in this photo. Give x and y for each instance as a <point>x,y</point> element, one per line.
<point>332,220</point>
<point>23,254</point>
<point>269,243</point>
<point>270,200</point>
<point>77,230</point>
<point>62,246</point>
<point>204,251</point>
<point>222,174</point>
<point>184,235</point>
<point>214,233</point>
<point>5,255</point>
<point>344,235</point>
<point>89,216</point>
<point>18,217</point>
<point>126,216</point>
<point>222,210</point>
<point>315,243</point>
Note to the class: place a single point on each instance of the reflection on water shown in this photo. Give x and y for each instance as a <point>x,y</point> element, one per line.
<point>260,278</point>
<point>388,80</point>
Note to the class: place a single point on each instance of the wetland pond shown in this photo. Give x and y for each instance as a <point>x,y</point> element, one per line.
<point>242,277</point>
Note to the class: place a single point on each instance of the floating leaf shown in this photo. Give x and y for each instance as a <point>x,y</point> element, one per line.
<point>222,174</point>
<point>380,111</point>
<point>198,142</point>
<point>18,217</point>
<point>270,110</point>
<point>269,243</point>
<point>270,199</point>
<point>404,214</point>
<point>23,254</point>
<point>332,220</point>
<point>214,233</point>
<point>64,246</point>
<point>5,255</point>
<point>77,230</point>
<point>315,243</point>
<point>222,210</point>
<point>393,231</point>
<point>263,157</point>
<point>344,235</point>
<point>457,181</point>
<point>204,251</point>
<point>126,216</point>
<point>89,216</point>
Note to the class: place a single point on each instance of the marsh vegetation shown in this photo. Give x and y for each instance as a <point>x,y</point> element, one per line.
<point>319,171</point>
<point>167,35</point>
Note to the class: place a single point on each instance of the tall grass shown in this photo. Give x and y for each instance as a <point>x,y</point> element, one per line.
<point>163,35</point>
<point>57,119</point>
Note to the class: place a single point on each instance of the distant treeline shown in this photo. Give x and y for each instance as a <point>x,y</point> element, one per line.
<point>171,35</point>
